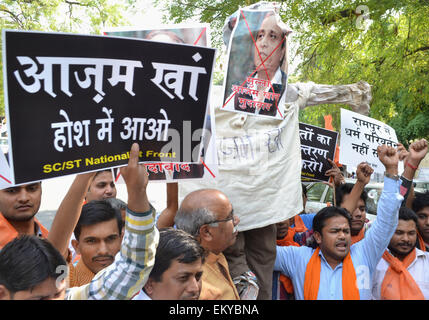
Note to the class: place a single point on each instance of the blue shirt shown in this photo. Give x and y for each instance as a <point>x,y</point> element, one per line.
<point>307,218</point>
<point>365,254</point>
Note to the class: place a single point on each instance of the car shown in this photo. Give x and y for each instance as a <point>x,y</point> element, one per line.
<point>320,195</point>
<point>421,186</point>
<point>4,145</point>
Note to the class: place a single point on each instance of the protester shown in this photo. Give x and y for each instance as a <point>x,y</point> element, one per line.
<point>421,208</point>
<point>102,186</point>
<point>301,231</point>
<point>359,223</point>
<point>98,237</point>
<point>207,215</point>
<point>18,207</point>
<point>287,235</point>
<point>418,202</point>
<point>329,272</point>
<point>178,268</point>
<point>132,266</point>
<point>402,273</point>
<point>29,269</point>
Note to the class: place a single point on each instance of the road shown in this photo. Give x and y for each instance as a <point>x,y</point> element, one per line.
<point>54,190</point>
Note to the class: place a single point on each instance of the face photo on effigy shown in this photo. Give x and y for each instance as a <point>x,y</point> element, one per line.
<point>256,78</point>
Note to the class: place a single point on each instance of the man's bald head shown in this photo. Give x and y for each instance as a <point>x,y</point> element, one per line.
<point>210,199</point>
<point>207,214</point>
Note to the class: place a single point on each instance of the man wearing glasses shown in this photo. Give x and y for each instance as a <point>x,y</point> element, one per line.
<point>207,214</point>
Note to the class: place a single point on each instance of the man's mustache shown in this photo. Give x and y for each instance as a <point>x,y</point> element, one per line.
<point>102,257</point>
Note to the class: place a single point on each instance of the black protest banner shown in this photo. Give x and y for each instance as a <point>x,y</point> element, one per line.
<point>317,145</point>
<point>189,34</point>
<point>76,103</point>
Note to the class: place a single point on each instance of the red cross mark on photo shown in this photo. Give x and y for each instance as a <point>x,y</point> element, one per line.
<point>268,51</point>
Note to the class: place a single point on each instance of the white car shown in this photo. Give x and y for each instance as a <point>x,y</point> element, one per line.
<point>319,194</point>
<point>421,186</point>
<point>4,144</point>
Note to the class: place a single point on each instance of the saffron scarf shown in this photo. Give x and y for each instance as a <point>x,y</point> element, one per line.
<point>359,236</point>
<point>422,244</point>
<point>312,278</point>
<point>285,281</point>
<point>8,232</point>
<point>398,284</point>
<point>288,241</point>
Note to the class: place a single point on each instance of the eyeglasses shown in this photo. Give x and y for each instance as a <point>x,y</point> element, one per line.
<point>230,217</point>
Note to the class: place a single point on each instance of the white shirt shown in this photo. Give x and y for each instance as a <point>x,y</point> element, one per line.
<point>141,296</point>
<point>419,270</point>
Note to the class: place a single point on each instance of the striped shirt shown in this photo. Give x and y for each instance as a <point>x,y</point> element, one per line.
<point>133,263</point>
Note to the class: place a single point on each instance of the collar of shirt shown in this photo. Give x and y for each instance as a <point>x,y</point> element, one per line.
<point>419,255</point>
<point>340,265</point>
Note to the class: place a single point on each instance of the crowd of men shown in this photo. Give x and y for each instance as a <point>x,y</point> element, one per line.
<point>99,247</point>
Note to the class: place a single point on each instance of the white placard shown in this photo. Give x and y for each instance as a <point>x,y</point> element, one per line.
<point>360,137</point>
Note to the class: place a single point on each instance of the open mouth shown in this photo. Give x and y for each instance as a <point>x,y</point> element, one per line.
<point>342,246</point>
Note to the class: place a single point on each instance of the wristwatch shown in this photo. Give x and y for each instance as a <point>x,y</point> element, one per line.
<point>392,176</point>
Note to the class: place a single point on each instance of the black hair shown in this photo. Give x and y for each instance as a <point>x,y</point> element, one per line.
<point>345,189</point>
<point>97,211</point>
<point>175,244</point>
<point>326,213</point>
<point>27,261</point>
<point>421,201</point>
<point>98,173</point>
<point>101,171</point>
<point>407,214</point>
<point>117,203</point>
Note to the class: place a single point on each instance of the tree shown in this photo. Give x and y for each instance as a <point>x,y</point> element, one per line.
<point>340,43</point>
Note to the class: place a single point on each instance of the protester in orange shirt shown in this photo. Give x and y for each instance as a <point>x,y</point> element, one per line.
<point>18,207</point>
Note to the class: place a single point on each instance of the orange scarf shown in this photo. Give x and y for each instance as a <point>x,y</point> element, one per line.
<point>359,236</point>
<point>285,281</point>
<point>8,232</point>
<point>398,284</point>
<point>312,278</point>
<point>288,241</point>
<point>422,243</point>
